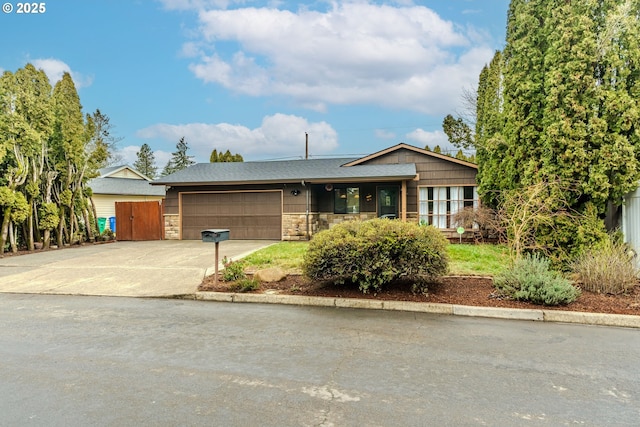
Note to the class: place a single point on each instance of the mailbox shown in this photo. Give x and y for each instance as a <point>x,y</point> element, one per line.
<point>215,235</point>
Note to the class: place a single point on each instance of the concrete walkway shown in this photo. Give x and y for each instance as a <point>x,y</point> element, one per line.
<point>133,269</point>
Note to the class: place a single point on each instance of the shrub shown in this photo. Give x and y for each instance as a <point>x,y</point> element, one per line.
<point>606,268</point>
<point>245,285</point>
<point>233,270</point>
<point>376,252</point>
<point>530,279</point>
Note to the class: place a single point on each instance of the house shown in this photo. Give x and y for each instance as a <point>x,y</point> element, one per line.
<point>630,223</point>
<point>121,184</point>
<point>292,200</point>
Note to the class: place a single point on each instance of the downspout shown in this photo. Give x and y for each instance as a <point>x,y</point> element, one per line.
<point>307,195</point>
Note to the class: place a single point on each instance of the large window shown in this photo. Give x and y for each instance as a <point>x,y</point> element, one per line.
<point>347,200</point>
<point>438,205</point>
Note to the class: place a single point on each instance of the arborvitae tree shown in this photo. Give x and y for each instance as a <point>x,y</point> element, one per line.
<point>68,154</point>
<point>491,147</point>
<point>437,149</point>
<point>570,85</point>
<point>146,162</point>
<point>47,153</point>
<point>179,159</point>
<point>224,157</point>
<point>34,104</point>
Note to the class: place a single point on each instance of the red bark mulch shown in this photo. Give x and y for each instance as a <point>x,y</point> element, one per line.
<point>464,290</point>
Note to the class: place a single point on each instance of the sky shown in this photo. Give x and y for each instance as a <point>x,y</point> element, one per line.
<point>254,76</point>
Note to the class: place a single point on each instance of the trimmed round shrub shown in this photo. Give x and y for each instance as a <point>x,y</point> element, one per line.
<point>531,279</point>
<point>376,252</point>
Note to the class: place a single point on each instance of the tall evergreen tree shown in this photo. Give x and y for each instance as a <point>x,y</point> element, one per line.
<point>179,159</point>
<point>491,147</point>
<point>146,162</point>
<point>68,154</point>
<point>569,100</point>
<point>225,157</point>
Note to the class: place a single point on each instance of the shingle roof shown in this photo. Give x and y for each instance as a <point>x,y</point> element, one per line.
<point>311,170</point>
<point>124,186</point>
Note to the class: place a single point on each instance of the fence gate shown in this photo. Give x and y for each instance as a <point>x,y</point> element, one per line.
<point>139,221</point>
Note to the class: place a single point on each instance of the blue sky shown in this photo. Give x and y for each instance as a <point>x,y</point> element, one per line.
<point>254,76</point>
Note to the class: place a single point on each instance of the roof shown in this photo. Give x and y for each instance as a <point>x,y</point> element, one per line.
<point>309,170</point>
<point>402,145</point>
<point>125,186</point>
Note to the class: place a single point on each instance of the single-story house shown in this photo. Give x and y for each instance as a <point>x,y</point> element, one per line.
<point>292,200</point>
<point>121,184</point>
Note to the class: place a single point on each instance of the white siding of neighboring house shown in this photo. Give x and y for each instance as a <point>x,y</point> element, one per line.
<point>106,204</point>
<point>125,173</point>
<point>631,220</point>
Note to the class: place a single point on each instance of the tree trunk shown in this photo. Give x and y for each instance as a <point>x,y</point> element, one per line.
<point>46,244</point>
<point>5,228</point>
<point>30,245</point>
<point>13,237</point>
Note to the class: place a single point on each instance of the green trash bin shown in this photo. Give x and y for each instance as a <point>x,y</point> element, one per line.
<point>102,223</point>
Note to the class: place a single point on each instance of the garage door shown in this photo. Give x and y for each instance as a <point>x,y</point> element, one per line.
<point>248,215</point>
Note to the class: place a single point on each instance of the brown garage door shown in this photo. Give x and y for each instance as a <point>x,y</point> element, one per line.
<point>248,215</point>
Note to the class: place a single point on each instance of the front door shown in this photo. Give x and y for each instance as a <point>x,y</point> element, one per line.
<point>388,202</point>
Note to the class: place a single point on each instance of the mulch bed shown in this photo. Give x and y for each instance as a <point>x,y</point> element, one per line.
<point>463,290</point>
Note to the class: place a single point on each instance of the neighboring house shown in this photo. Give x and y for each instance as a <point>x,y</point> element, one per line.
<point>121,184</point>
<point>291,200</point>
<point>630,221</point>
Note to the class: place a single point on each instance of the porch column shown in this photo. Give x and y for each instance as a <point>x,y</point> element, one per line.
<point>403,210</point>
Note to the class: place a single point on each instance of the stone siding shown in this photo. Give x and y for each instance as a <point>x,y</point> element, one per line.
<point>171,227</point>
<point>294,226</point>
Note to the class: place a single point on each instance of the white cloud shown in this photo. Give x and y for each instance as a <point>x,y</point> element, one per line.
<point>384,134</point>
<point>279,135</point>
<point>55,68</point>
<point>430,138</point>
<point>353,53</point>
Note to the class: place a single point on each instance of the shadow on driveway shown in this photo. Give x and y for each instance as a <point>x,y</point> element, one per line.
<point>134,269</point>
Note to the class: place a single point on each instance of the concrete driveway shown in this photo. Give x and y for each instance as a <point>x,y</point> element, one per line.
<point>138,269</point>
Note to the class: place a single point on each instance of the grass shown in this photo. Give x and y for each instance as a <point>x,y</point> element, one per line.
<point>485,260</point>
<point>285,255</point>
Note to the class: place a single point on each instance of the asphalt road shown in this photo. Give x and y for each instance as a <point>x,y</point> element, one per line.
<point>68,360</point>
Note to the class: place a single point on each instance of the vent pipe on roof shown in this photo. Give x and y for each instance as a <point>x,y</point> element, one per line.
<point>306,145</point>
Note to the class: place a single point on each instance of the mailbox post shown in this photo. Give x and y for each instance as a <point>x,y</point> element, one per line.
<point>216,236</point>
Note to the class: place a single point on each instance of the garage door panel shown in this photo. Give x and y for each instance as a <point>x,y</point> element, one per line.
<point>247,215</point>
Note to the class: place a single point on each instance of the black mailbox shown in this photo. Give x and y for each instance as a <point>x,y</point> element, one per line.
<point>214,235</point>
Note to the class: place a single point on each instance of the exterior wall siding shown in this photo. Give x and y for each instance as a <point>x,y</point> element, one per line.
<point>106,204</point>
<point>126,173</point>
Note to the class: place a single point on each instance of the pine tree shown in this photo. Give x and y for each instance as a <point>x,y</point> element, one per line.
<point>146,163</point>
<point>179,159</point>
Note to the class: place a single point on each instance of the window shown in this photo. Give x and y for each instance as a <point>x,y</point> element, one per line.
<point>438,205</point>
<point>346,200</point>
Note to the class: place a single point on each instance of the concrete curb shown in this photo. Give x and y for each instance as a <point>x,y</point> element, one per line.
<point>542,315</point>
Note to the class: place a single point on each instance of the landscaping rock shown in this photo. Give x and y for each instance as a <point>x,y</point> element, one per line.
<point>270,275</point>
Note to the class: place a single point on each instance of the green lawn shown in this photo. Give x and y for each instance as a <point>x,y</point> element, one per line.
<point>464,259</point>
